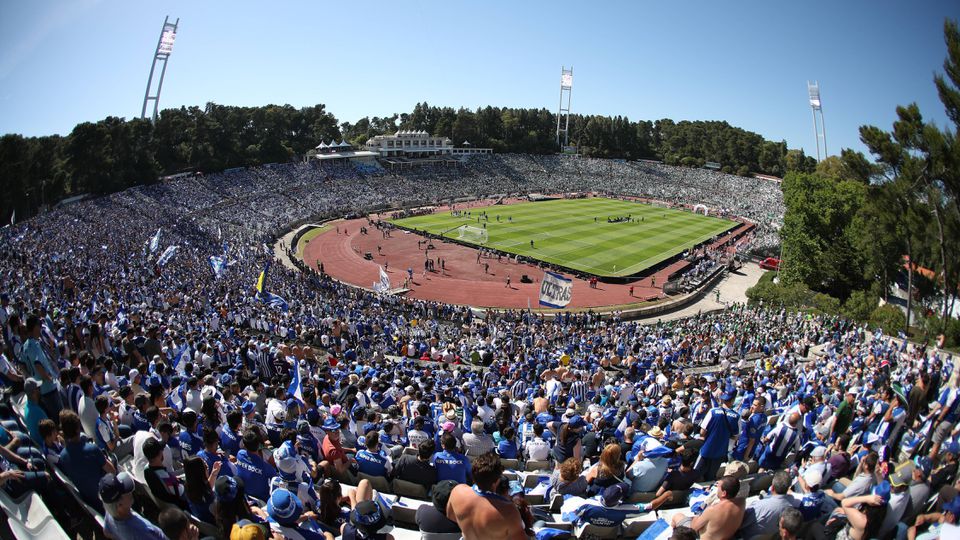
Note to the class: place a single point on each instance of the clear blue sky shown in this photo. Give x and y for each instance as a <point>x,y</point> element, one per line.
<point>746,62</point>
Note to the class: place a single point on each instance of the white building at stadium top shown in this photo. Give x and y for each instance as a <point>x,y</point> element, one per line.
<point>410,144</point>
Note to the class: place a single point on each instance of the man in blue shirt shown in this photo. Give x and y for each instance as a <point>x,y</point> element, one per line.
<point>371,460</point>
<point>81,461</point>
<point>33,413</point>
<point>190,442</point>
<point>120,520</point>
<point>450,464</point>
<point>253,469</point>
<point>40,366</point>
<point>719,426</point>
<point>230,437</point>
<point>752,430</point>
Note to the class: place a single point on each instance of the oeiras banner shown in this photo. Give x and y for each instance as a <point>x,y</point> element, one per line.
<point>555,290</point>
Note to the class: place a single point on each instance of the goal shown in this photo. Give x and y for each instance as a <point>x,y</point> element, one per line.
<point>475,235</point>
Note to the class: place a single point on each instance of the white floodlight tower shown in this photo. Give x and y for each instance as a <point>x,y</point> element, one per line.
<point>566,85</point>
<point>164,47</point>
<point>819,129</point>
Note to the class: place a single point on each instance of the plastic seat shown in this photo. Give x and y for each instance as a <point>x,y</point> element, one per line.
<point>404,488</point>
<point>533,480</point>
<point>378,483</point>
<point>597,532</point>
<point>511,464</point>
<point>29,517</point>
<point>75,493</point>
<point>404,514</point>
<point>533,466</point>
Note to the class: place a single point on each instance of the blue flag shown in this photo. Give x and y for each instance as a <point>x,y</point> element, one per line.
<point>296,387</point>
<point>275,301</point>
<point>179,356</point>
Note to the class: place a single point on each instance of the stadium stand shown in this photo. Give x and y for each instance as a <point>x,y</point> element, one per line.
<point>607,428</point>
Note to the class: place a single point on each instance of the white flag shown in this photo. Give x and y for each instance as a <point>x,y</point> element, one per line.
<point>155,242</point>
<point>383,285</point>
<point>166,255</point>
<point>555,290</point>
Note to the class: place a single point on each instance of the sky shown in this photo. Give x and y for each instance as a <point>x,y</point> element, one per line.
<point>745,62</point>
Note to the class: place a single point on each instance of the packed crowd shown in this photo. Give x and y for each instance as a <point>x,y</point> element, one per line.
<point>183,385</point>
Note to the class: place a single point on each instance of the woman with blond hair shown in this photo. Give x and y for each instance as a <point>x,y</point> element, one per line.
<point>611,467</point>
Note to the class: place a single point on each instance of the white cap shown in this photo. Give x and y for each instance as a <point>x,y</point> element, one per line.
<point>813,478</point>
<point>819,452</point>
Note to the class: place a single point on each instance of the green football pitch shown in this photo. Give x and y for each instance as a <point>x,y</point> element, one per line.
<point>574,233</point>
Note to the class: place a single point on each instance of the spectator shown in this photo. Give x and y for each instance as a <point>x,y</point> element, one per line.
<point>81,460</point>
<point>763,516</point>
<point>433,518</point>
<point>418,469</point>
<point>116,492</point>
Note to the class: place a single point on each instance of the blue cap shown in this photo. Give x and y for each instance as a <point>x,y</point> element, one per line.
<point>952,506</point>
<point>154,381</point>
<point>331,424</point>
<point>225,380</point>
<point>112,487</point>
<point>924,463</point>
<point>576,422</point>
<point>291,402</point>
<point>248,407</point>
<point>614,495</point>
<point>883,490</point>
<point>122,381</point>
<point>729,394</point>
<point>953,447</point>
<point>312,415</point>
<point>284,507</point>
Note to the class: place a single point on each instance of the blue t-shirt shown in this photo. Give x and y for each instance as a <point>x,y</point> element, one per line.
<point>190,443</point>
<point>83,464</point>
<point>721,424</point>
<point>229,441</point>
<point>32,415</point>
<point>256,474</point>
<point>132,527</point>
<point>451,466</point>
<point>752,429</point>
<point>507,449</point>
<point>226,468</point>
<point>372,463</point>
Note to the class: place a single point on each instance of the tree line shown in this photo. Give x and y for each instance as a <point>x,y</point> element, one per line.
<point>114,154</point>
<point>854,228</point>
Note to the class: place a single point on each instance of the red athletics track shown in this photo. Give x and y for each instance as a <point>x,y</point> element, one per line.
<point>464,281</point>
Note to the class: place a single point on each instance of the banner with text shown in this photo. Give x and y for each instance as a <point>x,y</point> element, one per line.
<point>555,290</point>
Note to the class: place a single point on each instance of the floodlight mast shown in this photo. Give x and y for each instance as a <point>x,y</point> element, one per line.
<point>164,47</point>
<point>566,85</point>
<point>819,128</point>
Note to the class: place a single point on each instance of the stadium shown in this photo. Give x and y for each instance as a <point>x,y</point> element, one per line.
<point>238,322</point>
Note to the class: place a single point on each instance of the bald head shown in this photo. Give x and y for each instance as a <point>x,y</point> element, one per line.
<point>794,420</point>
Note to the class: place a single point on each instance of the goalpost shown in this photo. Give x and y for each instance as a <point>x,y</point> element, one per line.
<point>469,233</point>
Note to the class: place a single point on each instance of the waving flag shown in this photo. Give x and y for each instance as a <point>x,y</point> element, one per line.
<point>178,357</point>
<point>555,290</point>
<point>275,301</point>
<point>218,264</point>
<point>219,233</point>
<point>262,279</point>
<point>167,255</point>
<point>267,297</point>
<point>155,242</point>
<point>383,285</point>
<point>296,387</point>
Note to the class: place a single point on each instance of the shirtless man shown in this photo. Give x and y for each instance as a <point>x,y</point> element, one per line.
<point>483,514</point>
<point>721,520</point>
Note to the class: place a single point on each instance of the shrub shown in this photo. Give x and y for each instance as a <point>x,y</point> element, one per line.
<point>888,317</point>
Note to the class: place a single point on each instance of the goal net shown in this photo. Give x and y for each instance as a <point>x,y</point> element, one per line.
<point>468,233</point>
